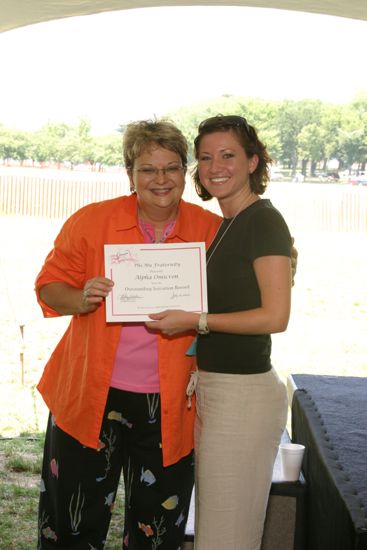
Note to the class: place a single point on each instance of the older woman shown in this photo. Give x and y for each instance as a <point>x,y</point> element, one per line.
<point>116,392</point>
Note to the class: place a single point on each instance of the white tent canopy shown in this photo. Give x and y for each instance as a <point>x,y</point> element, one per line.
<point>18,13</point>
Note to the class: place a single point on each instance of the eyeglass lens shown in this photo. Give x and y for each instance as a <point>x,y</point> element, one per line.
<point>152,171</point>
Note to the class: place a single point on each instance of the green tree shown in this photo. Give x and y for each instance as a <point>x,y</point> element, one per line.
<point>352,137</point>
<point>306,133</point>
<point>50,143</point>
<point>292,118</point>
<point>330,125</point>
<point>311,144</point>
<point>14,144</point>
<point>108,150</point>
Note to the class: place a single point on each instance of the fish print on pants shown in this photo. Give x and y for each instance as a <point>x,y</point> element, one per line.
<point>114,415</point>
<point>147,477</point>
<point>49,534</point>
<point>54,468</point>
<point>146,529</point>
<point>180,519</point>
<point>109,500</point>
<point>171,503</point>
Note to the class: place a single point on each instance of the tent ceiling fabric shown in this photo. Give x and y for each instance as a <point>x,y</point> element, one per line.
<point>18,13</point>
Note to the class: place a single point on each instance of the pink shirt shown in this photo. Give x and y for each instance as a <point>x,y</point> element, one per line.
<point>136,360</point>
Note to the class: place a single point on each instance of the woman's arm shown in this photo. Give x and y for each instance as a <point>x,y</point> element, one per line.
<point>68,300</point>
<point>273,274</point>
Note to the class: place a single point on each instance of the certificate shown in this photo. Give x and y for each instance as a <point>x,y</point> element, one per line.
<point>150,278</point>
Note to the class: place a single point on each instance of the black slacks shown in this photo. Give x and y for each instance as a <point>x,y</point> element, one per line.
<point>79,484</point>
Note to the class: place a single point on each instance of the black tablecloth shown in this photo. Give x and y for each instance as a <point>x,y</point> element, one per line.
<point>329,416</point>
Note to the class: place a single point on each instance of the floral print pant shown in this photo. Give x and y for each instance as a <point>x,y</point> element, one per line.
<point>79,484</point>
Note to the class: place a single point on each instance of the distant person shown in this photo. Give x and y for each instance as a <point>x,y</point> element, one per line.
<point>241,402</point>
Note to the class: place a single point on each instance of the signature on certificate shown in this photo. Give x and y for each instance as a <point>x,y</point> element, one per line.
<point>130,298</point>
<point>174,296</point>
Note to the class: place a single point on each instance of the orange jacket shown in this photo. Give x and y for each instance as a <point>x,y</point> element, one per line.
<point>76,379</point>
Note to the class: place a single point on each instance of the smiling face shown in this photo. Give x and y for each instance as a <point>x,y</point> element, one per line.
<point>224,168</point>
<point>158,193</point>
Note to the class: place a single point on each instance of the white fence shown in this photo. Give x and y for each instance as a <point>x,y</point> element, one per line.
<point>57,194</point>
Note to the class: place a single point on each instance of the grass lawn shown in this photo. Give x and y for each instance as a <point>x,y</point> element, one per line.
<point>20,468</point>
<point>20,461</point>
<point>326,335</point>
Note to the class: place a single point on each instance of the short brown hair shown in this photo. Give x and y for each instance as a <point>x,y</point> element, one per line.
<point>145,134</point>
<point>248,139</point>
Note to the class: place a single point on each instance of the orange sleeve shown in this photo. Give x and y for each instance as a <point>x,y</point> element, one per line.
<point>66,262</point>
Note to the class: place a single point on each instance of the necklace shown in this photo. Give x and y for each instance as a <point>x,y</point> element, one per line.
<point>221,237</point>
<point>149,231</point>
<point>226,230</point>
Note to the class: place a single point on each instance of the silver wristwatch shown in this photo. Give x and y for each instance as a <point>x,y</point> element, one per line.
<point>202,327</point>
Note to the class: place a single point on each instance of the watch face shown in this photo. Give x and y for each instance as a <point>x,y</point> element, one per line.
<point>203,324</point>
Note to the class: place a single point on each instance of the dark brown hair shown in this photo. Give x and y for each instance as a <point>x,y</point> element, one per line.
<point>247,138</point>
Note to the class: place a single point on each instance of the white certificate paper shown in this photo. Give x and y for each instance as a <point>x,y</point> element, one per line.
<point>150,278</point>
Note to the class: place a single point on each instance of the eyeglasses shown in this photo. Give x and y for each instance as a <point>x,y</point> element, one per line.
<point>151,172</point>
<point>232,121</point>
